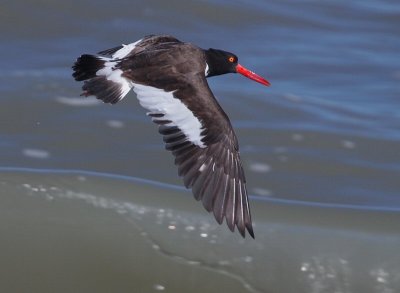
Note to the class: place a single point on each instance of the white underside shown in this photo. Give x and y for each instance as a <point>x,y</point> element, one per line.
<point>159,101</point>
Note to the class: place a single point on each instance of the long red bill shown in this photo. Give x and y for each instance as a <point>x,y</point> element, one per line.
<point>250,74</point>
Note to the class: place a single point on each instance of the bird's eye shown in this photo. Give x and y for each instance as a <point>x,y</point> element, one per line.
<point>231,59</point>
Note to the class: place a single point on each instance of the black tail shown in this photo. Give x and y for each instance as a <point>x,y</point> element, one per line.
<point>86,67</point>
<point>99,77</point>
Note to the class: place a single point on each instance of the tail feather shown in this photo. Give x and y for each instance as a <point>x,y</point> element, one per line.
<point>86,67</point>
<point>102,78</point>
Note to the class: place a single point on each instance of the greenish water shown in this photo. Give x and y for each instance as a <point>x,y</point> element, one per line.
<point>68,231</point>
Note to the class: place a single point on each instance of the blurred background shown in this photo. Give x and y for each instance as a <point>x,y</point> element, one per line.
<point>320,147</point>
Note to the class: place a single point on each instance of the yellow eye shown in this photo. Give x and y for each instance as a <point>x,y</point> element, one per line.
<point>231,59</point>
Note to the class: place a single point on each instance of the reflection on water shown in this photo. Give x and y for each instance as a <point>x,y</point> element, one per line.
<point>142,228</point>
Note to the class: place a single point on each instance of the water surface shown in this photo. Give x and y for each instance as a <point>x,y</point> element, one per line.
<point>320,146</point>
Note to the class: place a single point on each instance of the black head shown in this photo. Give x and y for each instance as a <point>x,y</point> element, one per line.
<point>222,62</point>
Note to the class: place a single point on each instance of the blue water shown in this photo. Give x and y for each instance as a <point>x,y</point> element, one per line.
<point>90,186</point>
<point>326,131</point>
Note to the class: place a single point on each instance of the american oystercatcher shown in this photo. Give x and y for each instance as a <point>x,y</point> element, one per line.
<point>169,79</point>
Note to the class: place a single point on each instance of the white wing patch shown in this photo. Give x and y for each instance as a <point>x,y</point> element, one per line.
<point>159,101</point>
<point>154,99</point>
<point>115,75</point>
<point>125,50</point>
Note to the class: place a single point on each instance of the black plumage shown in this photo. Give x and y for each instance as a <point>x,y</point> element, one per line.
<point>212,167</point>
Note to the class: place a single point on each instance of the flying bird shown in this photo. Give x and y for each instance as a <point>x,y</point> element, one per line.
<point>169,79</point>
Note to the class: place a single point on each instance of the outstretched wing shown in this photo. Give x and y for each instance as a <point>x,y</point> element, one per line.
<point>215,175</point>
<point>172,87</point>
<point>199,134</point>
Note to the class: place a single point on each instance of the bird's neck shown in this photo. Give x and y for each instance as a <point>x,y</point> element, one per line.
<point>212,63</point>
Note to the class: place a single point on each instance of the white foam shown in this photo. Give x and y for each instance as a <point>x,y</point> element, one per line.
<point>36,153</point>
<point>115,123</point>
<point>260,167</point>
<point>78,102</point>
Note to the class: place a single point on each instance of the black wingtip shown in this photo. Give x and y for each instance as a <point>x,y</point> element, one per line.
<point>242,230</point>
<point>251,232</point>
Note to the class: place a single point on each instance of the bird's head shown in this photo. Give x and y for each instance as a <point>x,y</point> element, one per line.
<point>222,62</point>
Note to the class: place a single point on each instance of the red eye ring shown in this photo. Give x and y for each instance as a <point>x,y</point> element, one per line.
<point>231,59</point>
